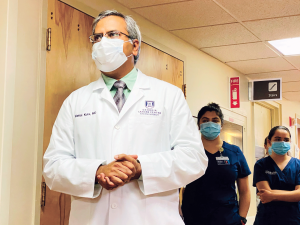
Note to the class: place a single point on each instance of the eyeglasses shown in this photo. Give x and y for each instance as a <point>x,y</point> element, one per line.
<point>110,35</point>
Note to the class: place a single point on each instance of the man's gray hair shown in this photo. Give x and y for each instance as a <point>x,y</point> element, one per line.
<point>132,28</point>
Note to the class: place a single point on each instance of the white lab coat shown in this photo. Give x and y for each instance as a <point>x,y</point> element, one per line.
<point>90,131</point>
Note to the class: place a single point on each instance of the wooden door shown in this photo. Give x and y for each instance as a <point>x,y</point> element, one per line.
<point>161,65</point>
<point>69,67</point>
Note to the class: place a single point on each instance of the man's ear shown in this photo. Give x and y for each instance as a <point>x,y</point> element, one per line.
<point>136,46</point>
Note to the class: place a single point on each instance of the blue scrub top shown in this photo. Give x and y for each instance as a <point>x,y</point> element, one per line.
<point>278,212</point>
<point>212,199</point>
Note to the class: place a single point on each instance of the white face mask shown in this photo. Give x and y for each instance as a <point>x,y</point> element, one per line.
<point>108,54</point>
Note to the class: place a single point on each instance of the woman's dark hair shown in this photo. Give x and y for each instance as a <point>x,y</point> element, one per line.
<point>273,130</point>
<point>209,108</point>
<point>266,141</point>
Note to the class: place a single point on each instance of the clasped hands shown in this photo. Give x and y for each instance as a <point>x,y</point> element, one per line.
<point>119,172</point>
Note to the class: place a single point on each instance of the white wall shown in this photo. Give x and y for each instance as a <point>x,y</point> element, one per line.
<point>22,62</point>
<point>8,23</point>
<point>290,109</point>
<point>22,66</point>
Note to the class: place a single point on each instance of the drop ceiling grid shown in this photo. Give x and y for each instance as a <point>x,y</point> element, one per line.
<point>186,15</point>
<point>247,10</point>
<point>292,96</point>
<point>233,31</point>
<point>291,86</point>
<point>146,3</point>
<point>240,52</point>
<point>244,66</point>
<point>286,75</point>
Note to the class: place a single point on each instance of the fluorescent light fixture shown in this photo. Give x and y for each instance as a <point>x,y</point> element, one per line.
<point>290,46</point>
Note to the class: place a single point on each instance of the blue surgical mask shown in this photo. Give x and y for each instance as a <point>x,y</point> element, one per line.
<point>270,151</point>
<point>210,130</point>
<point>281,147</point>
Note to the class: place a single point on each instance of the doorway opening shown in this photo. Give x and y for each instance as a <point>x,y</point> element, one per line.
<point>232,133</point>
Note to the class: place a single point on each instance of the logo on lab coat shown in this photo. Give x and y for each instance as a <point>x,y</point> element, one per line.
<point>149,109</point>
<point>149,104</point>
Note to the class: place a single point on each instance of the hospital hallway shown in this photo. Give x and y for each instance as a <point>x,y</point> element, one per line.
<point>243,55</point>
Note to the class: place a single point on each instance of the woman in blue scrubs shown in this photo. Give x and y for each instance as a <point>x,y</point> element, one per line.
<point>212,199</point>
<point>277,178</point>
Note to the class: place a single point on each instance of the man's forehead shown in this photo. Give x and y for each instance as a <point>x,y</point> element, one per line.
<point>110,23</point>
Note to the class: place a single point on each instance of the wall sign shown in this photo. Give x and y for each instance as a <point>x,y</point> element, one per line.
<point>234,83</point>
<point>265,90</point>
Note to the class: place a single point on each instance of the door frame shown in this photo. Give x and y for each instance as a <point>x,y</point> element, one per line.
<point>239,119</point>
<point>276,112</point>
<point>297,116</point>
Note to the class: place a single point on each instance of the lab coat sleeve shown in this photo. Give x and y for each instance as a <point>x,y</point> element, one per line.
<point>63,172</point>
<point>172,169</point>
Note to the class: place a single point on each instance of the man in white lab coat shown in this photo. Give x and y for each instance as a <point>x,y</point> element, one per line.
<point>124,144</point>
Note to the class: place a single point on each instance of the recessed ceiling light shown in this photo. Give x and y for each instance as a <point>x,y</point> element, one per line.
<point>289,46</point>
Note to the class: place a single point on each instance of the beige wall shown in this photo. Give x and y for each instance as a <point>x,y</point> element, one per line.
<point>22,67</point>
<point>8,12</point>
<point>289,109</point>
<point>22,96</point>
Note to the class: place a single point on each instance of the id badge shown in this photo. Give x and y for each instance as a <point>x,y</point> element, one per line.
<point>223,161</point>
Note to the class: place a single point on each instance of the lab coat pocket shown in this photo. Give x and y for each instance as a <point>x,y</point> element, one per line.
<point>146,134</point>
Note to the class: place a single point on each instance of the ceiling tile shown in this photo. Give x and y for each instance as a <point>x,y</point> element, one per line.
<point>142,3</point>
<point>292,96</point>
<point>186,14</point>
<point>261,65</point>
<point>258,9</point>
<point>290,86</point>
<point>295,60</point>
<point>226,34</point>
<point>240,52</point>
<point>275,29</point>
<point>287,76</point>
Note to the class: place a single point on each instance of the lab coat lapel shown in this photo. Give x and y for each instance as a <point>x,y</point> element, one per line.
<point>104,92</point>
<point>141,84</point>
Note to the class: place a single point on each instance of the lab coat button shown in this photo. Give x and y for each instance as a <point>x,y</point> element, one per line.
<point>117,127</point>
<point>114,205</point>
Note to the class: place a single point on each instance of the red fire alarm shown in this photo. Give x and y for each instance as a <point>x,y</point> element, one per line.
<point>292,121</point>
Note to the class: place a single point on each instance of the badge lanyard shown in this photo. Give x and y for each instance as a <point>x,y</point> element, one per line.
<point>221,150</point>
<point>222,160</point>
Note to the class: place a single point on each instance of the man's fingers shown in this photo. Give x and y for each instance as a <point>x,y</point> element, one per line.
<point>129,165</point>
<point>121,157</point>
<point>117,181</point>
<point>100,178</point>
<point>134,156</point>
<point>124,157</point>
<point>111,184</point>
<point>123,171</point>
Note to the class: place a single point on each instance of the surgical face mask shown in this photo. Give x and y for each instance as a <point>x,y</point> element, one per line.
<point>270,151</point>
<point>281,147</point>
<point>210,130</point>
<point>108,54</point>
